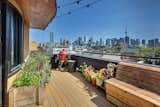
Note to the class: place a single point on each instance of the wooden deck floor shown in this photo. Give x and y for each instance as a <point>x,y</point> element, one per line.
<point>72,90</point>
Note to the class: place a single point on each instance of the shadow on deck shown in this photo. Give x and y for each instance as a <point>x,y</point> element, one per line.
<point>71,90</point>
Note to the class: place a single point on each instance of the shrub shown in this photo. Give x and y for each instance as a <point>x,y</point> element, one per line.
<point>31,72</point>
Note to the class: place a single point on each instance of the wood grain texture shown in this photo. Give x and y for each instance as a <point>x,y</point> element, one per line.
<point>69,90</point>
<point>139,75</point>
<point>36,13</point>
<point>124,94</point>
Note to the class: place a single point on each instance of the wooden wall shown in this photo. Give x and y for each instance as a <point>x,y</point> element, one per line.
<point>145,77</point>
<point>26,36</point>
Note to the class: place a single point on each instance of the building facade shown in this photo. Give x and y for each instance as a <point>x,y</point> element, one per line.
<point>16,17</point>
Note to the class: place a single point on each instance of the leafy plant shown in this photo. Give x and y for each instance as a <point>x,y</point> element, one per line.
<point>28,79</point>
<point>111,72</point>
<point>31,72</point>
<point>82,67</point>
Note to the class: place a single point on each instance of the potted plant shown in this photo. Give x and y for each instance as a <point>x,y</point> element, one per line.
<point>82,67</point>
<point>34,74</point>
<point>93,79</point>
<point>101,76</point>
<point>111,70</point>
<point>29,81</point>
<point>88,72</point>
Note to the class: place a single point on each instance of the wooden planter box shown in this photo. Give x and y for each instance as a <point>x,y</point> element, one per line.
<point>25,96</point>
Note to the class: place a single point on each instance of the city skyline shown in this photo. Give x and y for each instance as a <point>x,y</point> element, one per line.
<point>107,18</point>
<point>109,42</point>
<point>98,37</point>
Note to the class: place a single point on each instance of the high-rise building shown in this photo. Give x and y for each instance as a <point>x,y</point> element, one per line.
<point>126,38</point>
<point>51,38</point>
<point>90,41</point>
<point>151,43</point>
<point>121,40</point>
<point>100,42</point>
<point>85,39</point>
<point>113,41</point>
<point>143,42</point>
<point>108,43</point>
<point>133,42</point>
<point>97,43</point>
<point>156,42</point>
<point>80,41</point>
<point>61,41</point>
<point>137,42</point>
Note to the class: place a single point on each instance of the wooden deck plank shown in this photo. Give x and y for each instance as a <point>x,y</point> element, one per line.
<point>75,92</point>
<point>72,90</point>
<point>65,88</point>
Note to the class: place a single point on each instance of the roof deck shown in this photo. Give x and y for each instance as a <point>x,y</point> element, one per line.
<point>67,90</point>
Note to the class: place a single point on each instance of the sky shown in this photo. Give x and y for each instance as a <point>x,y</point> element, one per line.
<point>105,19</point>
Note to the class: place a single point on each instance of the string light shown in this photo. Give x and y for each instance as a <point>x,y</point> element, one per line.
<point>78,8</point>
<point>70,3</point>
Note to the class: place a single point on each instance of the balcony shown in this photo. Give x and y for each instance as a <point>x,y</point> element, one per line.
<point>67,90</point>
<point>130,87</point>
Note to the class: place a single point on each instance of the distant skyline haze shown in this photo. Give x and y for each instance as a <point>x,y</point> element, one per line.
<point>105,19</point>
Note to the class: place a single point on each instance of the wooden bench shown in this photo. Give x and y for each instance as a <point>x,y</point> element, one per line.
<point>134,86</point>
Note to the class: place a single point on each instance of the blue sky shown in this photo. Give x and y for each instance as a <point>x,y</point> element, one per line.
<point>106,19</point>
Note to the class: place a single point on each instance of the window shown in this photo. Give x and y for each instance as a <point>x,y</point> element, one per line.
<point>0,59</point>
<point>14,25</point>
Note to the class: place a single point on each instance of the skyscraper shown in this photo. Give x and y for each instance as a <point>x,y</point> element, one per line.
<point>51,38</point>
<point>61,41</point>
<point>79,41</point>
<point>90,41</point>
<point>137,42</point>
<point>113,41</point>
<point>151,43</point>
<point>85,39</point>
<point>143,42</point>
<point>108,43</point>
<point>133,42</point>
<point>156,42</point>
<point>121,40</point>
<point>126,38</point>
<point>101,42</point>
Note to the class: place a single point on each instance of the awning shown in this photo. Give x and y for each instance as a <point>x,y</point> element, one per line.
<point>38,13</point>
<point>41,13</point>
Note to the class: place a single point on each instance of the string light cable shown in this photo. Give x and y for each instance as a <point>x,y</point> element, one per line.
<point>87,5</point>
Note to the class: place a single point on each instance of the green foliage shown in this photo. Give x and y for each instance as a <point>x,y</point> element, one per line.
<point>31,74</point>
<point>145,52</point>
<point>148,52</point>
<point>158,52</point>
<point>48,72</point>
<point>82,67</point>
<point>98,47</point>
<point>28,79</point>
<point>117,48</point>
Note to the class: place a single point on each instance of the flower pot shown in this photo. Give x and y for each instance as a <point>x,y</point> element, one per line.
<point>94,81</point>
<point>99,82</point>
<point>26,96</point>
<point>22,96</point>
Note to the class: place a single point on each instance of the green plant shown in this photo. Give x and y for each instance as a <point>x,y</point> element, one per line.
<point>111,68</point>
<point>31,72</point>
<point>28,79</point>
<point>48,72</point>
<point>82,67</point>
